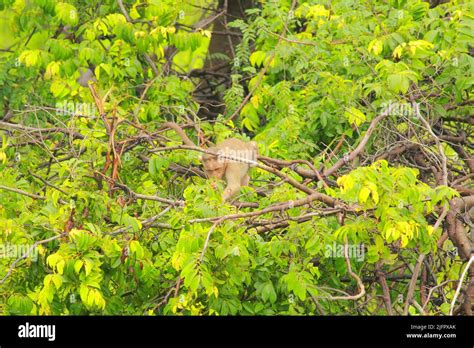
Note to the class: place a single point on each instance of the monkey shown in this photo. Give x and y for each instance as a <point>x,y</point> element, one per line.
<point>234,171</point>
<point>217,166</point>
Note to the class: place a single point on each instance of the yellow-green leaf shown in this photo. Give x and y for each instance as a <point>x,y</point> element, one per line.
<point>78,265</point>
<point>364,194</point>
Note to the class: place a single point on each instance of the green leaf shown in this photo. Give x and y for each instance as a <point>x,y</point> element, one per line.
<point>84,292</point>
<point>57,280</point>
<point>268,292</point>
<point>78,265</point>
<point>364,194</point>
<point>59,89</point>
<point>398,83</point>
<point>67,13</point>
<point>53,259</point>
<point>376,46</point>
<point>137,249</point>
<point>355,116</point>
<point>30,57</point>
<point>250,117</point>
<point>88,266</point>
<point>257,58</point>
<point>60,266</point>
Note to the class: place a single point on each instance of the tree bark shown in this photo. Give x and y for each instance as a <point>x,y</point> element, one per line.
<point>216,74</point>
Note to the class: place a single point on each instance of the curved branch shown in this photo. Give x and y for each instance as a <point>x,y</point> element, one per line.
<point>353,275</point>
<point>346,159</point>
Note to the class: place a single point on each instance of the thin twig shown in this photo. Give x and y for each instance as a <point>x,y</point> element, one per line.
<point>461,280</point>
<point>353,275</point>
<point>276,207</point>
<point>13,265</point>
<point>21,192</point>
<point>145,223</point>
<point>411,286</point>
<point>213,227</point>
<point>444,166</point>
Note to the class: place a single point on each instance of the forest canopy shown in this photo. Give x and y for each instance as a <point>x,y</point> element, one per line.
<point>361,198</point>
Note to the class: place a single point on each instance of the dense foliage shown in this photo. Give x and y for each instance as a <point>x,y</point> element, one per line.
<point>362,113</point>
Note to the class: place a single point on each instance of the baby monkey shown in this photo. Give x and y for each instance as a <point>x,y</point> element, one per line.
<point>225,164</point>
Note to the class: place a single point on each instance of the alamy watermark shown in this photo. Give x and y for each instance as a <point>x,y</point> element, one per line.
<point>37,331</point>
<point>237,156</point>
<point>79,109</point>
<point>403,109</point>
<point>16,251</point>
<point>355,251</point>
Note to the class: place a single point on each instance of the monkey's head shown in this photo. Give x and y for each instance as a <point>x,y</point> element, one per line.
<point>213,165</point>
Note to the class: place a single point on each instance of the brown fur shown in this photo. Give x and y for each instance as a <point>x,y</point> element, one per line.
<point>235,173</point>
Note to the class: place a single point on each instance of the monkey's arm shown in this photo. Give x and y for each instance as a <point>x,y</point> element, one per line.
<point>231,189</point>
<point>234,175</point>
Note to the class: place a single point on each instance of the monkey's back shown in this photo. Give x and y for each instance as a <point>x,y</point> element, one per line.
<point>232,143</point>
<point>238,149</point>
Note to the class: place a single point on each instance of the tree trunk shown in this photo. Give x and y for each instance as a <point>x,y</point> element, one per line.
<point>215,76</point>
